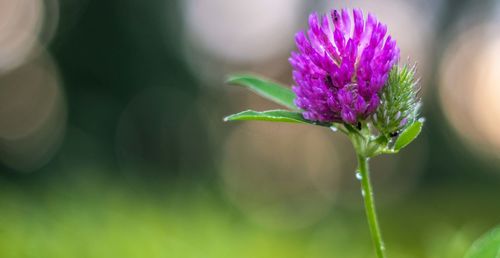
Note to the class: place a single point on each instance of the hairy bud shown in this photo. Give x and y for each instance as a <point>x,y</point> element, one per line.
<point>399,101</point>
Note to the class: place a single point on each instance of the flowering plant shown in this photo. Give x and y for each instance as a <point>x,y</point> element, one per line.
<point>347,78</point>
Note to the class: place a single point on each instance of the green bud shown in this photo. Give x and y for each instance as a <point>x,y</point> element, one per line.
<point>399,102</point>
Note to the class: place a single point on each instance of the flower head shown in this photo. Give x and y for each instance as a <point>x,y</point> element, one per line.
<point>340,70</point>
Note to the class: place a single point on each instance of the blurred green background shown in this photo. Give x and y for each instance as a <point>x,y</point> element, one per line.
<point>112,142</point>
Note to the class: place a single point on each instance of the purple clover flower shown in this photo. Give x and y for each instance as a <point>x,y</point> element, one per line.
<point>340,70</point>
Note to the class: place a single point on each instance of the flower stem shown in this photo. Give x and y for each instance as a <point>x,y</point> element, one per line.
<point>370,206</point>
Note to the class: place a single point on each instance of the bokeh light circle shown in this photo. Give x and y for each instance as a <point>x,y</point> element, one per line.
<point>25,26</point>
<point>470,86</point>
<point>226,36</point>
<point>32,114</point>
<point>281,176</point>
<point>242,31</point>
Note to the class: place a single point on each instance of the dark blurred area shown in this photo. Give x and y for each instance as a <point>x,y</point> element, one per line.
<point>112,142</point>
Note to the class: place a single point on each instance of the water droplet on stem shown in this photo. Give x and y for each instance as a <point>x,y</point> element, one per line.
<point>358,175</point>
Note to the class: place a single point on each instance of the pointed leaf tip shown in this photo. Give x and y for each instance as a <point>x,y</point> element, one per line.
<point>268,89</point>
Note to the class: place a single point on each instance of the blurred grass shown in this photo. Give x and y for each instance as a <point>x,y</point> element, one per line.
<point>95,218</point>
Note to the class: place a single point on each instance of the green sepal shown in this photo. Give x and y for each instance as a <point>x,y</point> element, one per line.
<point>408,135</point>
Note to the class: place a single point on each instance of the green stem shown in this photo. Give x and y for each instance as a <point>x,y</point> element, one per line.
<point>370,206</point>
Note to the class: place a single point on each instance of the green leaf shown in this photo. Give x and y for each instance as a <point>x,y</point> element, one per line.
<point>487,246</point>
<point>271,90</point>
<point>408,135</point>
<point>271,115</point>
